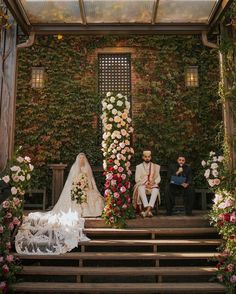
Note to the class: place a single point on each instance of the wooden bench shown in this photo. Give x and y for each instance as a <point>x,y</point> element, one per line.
<point>32,193</point>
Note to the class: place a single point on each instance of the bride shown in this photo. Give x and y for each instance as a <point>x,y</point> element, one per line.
<point>59,230</point>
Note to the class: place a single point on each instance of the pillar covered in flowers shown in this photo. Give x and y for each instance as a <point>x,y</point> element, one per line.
<point>117,153</point>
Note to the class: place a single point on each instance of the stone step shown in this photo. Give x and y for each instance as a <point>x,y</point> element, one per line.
<point>200,220</point>
<point>146,231</point>
<point>120,256</point>
<point>184,242</point>
<point>117,271</point>
<point>34,287</point>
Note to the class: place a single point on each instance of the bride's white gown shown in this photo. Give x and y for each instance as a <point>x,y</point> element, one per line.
<point>59,230</point>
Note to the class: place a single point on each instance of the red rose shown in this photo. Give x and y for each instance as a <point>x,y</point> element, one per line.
<point>226,217</point>
<point>120,185</point>
<point>111,168</point>
<point>110,160</point>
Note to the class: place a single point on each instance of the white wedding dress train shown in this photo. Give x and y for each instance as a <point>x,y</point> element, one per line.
<point>59,230</point>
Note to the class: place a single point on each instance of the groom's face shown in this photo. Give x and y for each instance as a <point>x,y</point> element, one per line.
<point>147,158</point>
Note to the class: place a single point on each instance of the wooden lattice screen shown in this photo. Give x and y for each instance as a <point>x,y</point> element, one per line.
<point>114,73</point>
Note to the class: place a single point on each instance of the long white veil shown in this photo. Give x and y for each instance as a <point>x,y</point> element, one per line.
<point>59,230</point>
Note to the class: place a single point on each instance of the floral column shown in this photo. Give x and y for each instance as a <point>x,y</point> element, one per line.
<point>117,154</point>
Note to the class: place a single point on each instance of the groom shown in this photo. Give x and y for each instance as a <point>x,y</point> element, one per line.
<point>147,178</point>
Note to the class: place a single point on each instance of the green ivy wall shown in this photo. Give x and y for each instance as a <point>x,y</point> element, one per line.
<point>57,122</point>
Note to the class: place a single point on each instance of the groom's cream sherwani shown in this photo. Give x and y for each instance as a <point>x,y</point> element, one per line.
<point>146,172</point>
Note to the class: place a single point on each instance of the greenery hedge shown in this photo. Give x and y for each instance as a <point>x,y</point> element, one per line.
<point>55,123</point>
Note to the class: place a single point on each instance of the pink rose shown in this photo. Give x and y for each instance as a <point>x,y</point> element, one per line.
<point>1,229</point>
<point>2,285</point>
<point>10,258</point>
<point>11,226</point>
<point>220,278</point>
<point>20,159</point>
<point>13,191</point>
<point>233,217</point>
<point>124,206</point>
<point>123,176</point>
<point>109,176</point>
<point>16,221</point>
<point>111,219</point>
<point>122,189</point>
<point>120,169</point>
<point>216,182</point>
<point>107,192</point>
<point>230,267</point>
<point>113,182</point>
<point>16,201</point>
<point>15,178</point>
<point>8,215</point>
<point>233,279</point>
<point>5,204</point>
<point>5,269</point>
<point>1,259</point>
<point>116,195</point>
<point>27,158</point>
<point>8,245</point>
<point>6,179</point>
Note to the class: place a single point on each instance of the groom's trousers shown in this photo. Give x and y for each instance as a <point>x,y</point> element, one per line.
<point>143,196</point>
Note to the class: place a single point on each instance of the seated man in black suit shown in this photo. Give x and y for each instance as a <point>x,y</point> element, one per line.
<point>179,179</point>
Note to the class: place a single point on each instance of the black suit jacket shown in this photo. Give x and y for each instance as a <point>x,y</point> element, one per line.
<point>187,172</point>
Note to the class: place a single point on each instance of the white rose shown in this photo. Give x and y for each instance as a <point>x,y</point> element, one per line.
<point>203,163</point>
<point>112,99</point>
<point>220,158</point>
<point>22,178</point>
<point>27,158</point>
<point>119,113</point>
<point>207,173</point>
<point>31,167</point>
<point>104,105</point>
<point>215,173</point>
<point>119,95</point>
<point>109,94</point>
<point>211,183</point>
<point>119,103</point>
<point>13,191</point>
<point>6,179</point>
<point>109,106</point>
<point>108,126</point>
<point>20,159</point>
<point>15,168</point>
<point>214,165</point>
<point>114,111</point>
<point>111,119</point>
<point>28,177</point>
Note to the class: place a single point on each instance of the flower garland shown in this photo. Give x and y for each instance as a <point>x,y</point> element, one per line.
<point>16,180</point>
<point>223,217</point>
<point>117,154</point>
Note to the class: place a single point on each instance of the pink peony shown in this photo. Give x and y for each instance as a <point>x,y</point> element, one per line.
<point>233,279</point>
<point>233,217</point>
<point>10,258</point>
<point>5,204</point>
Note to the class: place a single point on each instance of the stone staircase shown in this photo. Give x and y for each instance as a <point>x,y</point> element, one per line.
<point>158,255</point>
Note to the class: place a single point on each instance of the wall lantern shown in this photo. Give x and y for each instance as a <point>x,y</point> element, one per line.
<point>37,77</point>
<point>191,76</point>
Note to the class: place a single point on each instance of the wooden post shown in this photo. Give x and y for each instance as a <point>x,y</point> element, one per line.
<point>57,180</point>
<point>8,59</point>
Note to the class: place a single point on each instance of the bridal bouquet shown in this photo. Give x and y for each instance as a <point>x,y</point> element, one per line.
<point>79,185</point>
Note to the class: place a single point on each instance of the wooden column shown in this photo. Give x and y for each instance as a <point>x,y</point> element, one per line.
<point>8,59</point>
<point>57,180</point>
